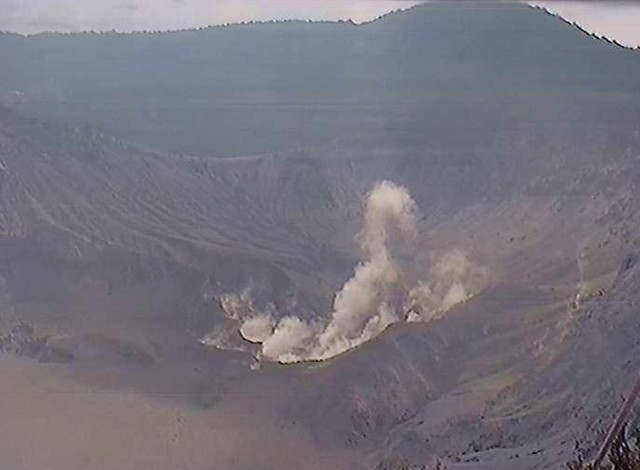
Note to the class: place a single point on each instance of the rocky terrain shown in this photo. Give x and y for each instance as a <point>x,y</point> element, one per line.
<point>145,178</point>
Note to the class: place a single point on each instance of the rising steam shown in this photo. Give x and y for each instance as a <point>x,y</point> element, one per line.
<point>384,289</point>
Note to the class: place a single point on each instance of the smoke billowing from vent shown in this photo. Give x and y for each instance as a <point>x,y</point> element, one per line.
<point>453,279</point>
<point>384,289</point>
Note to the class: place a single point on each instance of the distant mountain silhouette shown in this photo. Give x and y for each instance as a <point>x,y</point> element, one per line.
<point>256,88</point>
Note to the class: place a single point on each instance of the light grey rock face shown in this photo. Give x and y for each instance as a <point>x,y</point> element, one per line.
<point>518,150</point>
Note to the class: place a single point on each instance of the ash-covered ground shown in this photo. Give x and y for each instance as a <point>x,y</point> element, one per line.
<point>317,245</point>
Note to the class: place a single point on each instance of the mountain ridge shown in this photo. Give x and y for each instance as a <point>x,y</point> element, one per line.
<point>202,87</point>
<point>124,258</point>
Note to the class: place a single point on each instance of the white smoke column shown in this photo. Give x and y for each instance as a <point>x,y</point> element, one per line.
<point>452,280</point>
<point>389,211</point>
<point>290,341</point>
<point>365,305</point>
<point>376,296</point>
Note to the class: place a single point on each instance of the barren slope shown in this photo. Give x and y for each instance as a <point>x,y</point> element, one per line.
<point>118,256</point>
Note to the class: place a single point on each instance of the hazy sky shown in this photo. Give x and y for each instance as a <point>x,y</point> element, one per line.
<point>617,20</point>
<point>620,21</point>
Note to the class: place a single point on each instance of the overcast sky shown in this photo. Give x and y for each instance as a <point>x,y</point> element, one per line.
<point>620,21</point>
<point>616,20</point>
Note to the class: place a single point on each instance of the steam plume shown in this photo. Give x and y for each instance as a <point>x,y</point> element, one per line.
<point>377,294</point>
<point>368,301</point>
